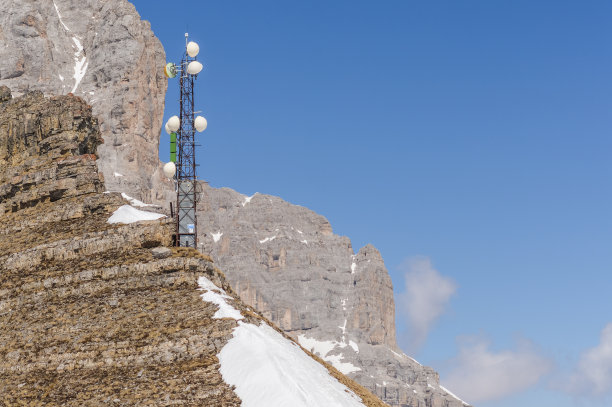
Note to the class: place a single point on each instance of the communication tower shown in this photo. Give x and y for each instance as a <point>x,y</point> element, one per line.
<point>182,129</point>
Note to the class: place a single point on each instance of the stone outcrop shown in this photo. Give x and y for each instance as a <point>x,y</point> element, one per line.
<point>285,261</point>
<point>282,259</point>
<point>101,51</point>
<point>93,313</point>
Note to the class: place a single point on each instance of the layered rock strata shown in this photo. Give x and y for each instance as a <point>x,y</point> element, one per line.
<point>101,51</point>
<point>93,313</point>
<point>285,261</point>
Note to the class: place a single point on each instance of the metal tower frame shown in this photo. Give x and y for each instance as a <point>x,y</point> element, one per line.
<point>186,195</point>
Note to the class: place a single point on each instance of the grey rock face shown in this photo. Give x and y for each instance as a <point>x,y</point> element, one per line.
<point>101,51</point>
<point>285,261</point>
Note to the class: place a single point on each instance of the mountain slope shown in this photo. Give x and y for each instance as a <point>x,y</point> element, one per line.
<point>99,313</point>
<point>285,261</point>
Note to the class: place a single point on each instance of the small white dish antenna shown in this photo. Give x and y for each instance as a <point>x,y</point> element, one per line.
<point>174,123</point>
<point>169,169</point>
<point>194,68</point>
<point>200,124</point>
<point>193,49</point>
<point>167,128</point>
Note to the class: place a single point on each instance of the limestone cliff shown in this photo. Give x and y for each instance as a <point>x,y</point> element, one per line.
<point>282,259</point>
<point>101,51</point>
<point>285,261</point>
<point>93,313</point>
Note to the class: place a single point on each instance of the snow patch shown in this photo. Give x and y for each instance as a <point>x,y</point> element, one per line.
<point>269,370</point>
<point>452,395</point>
<point>403,355</point>
<point>116,174</point>
<point>305,241</point>
<point>247,199</point>
<point>80,63</point>
<point>218,298</point>
<point>323,348</point>
<point>80,59</point>
<point>129,214</point>
<point>353,267</point>
<point>134,201</point>
<point>354,346</point>
<point>299,231</point>
<point>343,327</point>
<point>217,236</point>
<point>61,78</point>
<point>267,239</point>
<point>60,17</point>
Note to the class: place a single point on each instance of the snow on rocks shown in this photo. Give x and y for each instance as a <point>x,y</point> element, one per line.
<point>323,349</point>
<point>267,239</point>
<point>269,370</point>
<point>451,394</point>
<point>217,296</point>
<point>134,201</point>
<point>129,214</point>
<point>80,59</point>
<point>217,236</point>
<point>247,199</point>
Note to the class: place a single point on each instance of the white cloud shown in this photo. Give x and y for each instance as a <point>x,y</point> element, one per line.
<point>426,295</point>
<point>593,374</point>
<point>479,374</point>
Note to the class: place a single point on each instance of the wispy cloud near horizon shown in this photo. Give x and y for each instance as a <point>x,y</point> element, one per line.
<point>424,299</point>
<point>479,374</point>
<point>593,374</point>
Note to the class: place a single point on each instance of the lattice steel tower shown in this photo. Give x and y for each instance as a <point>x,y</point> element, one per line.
<point>182,131</point>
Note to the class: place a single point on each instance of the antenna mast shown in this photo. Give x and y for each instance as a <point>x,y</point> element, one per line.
<point>182,141</point>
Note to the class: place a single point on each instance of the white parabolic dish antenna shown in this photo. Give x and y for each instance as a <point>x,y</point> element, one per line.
<point>200,124</point>
<point>194,68</point>
<point>174,123</point>
<point>167,128</point>
<point>169,169</point>
<point>193,49</point>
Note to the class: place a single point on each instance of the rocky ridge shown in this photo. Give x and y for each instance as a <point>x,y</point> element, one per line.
<point>101,51</point>
<point>93,313</point>
<point>285,261</point>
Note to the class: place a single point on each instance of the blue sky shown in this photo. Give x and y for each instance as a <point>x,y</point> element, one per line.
<point>469,141</point>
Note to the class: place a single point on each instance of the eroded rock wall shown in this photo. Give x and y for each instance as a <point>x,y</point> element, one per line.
<point>285,261</point>
<point>101,51</point>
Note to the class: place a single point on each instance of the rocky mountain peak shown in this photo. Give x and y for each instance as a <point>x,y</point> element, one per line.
<point>101,312</point>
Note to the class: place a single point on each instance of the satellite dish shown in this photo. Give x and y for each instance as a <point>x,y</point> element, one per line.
<point>170,70</point>
<point>194,68</point>
<point>169,169</point>
<point>200,124</point>
<point>193,49</point>
<point>167,129</point>
<point>173,123</point>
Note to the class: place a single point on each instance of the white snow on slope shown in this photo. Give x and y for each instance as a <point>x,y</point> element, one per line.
<point>451,394</point>
<point>218,298</point>
<point>323,348</point>
<point>247,199</point>
<point>269,370</point>
<point>116,174</point>
<point>134,201</point>
<point>403,355</point>
<point>217,236</point>
<point>80,59</point>
<point>267,239</point>
<point>128,214</point>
